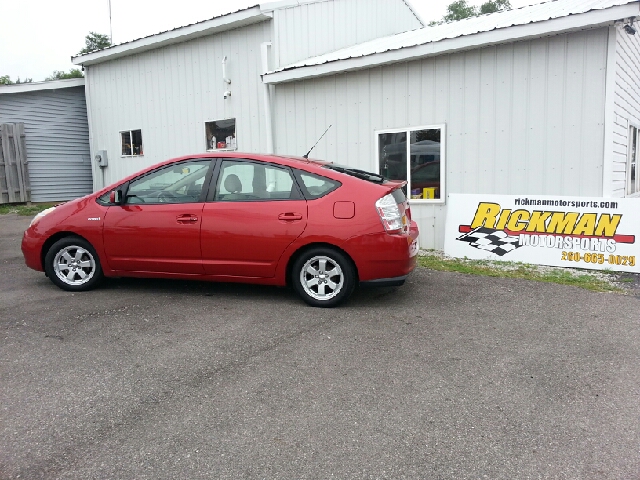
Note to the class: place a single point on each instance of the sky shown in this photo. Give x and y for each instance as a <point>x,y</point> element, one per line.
<point>40,36</point>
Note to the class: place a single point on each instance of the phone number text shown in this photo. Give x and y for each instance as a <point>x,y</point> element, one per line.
<point>599,258</point>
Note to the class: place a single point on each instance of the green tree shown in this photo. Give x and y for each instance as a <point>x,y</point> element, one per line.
<point>460,10</point>
<point>492,6</point>
<point>62,75</point>
<point>6,80</point>
<point>95,41</point>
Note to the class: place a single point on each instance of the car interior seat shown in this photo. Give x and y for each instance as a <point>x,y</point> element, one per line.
<point>233,185</point>
<point>194,191</point>
<point>260,187</point>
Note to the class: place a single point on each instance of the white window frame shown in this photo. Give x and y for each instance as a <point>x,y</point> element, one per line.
<point>235,131</point>
<point>131,137</point>
<point>443,162</point>
<point>628,186</point>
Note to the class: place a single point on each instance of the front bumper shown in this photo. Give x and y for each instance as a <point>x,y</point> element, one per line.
<point>31,248</point>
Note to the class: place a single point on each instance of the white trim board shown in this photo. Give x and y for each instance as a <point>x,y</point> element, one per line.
<point>215,25</point>
<point>37,86</point>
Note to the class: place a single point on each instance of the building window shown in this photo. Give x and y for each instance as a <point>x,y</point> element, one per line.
<point>633,182</point>
<point>221,135</point>
<point>419,161</point>
<point>131,141</point>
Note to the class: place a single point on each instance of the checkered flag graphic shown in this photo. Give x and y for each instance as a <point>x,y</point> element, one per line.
<point>490,240</point>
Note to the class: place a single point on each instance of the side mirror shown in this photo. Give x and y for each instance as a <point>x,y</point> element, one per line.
<point>115,197</point>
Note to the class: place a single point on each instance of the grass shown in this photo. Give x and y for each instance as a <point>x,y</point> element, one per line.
<point>25,210</point>
<point>589,280</point>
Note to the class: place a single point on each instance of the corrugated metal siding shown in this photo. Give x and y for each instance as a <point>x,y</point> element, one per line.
<point>626,105</point>
<point>169,93</point>
<point>522,118</point>
<point>57,138</point>
<point>314,29</point>
<point>539,12</point>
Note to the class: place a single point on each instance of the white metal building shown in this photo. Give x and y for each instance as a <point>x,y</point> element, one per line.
<point>539,100</point>
<point>167,90</point>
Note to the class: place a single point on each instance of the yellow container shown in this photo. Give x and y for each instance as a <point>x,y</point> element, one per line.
<point>429,192</point>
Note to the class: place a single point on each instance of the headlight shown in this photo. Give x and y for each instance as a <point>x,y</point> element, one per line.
<point>42,214</point>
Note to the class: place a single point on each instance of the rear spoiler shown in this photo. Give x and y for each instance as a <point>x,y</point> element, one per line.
<point>392,185</point>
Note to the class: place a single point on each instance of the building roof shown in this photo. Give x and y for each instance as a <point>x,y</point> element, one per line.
<point>548,18</point>
<point>37,86</point>
<point>240,18</point>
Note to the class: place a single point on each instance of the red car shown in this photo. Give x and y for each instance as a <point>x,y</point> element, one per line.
<point>233,217</point>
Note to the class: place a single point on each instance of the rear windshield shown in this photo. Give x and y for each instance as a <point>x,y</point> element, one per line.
<point>354,172</point>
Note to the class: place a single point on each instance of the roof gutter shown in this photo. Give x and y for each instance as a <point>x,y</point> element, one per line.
<point>592,19</point>
<point>241,18</point>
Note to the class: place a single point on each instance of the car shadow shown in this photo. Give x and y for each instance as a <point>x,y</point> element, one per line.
<point>366,297</point>
<point>194,287</point>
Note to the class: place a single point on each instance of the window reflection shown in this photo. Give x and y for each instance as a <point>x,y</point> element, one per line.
<point>393,155</point>
<point>422,170</point>
<point>425,163</point>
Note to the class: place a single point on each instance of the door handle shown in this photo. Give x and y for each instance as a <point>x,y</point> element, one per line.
<point>289,217</point>
<point>187,218</point>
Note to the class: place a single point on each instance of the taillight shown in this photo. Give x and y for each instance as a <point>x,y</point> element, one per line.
<point>391,215</point>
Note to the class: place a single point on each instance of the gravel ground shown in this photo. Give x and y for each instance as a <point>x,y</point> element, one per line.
<point>451,376</point>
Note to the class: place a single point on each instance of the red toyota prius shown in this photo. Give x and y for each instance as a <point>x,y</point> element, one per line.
<point>233,217</point>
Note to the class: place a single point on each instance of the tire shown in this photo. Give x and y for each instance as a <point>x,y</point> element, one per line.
<point>323,277</point>
<point>73,264</point>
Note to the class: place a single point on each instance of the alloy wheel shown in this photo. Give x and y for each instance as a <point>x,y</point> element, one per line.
<point>321,277</point>
<point>74,265</point>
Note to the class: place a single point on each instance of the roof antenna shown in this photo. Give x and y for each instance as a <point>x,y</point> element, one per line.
<point>306,155</point>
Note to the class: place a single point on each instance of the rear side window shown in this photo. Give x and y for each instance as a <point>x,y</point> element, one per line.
<point>316,186</point>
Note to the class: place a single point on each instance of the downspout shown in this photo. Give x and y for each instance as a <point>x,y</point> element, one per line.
<point>264,51</point>
<point>609,114</point>
<point>97,173</point>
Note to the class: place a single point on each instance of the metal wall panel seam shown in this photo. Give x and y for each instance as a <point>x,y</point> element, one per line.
<point>594,108</point>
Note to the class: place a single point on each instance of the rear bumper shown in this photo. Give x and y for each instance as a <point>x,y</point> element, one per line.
<point>383,257</point>
<point>385,282</point>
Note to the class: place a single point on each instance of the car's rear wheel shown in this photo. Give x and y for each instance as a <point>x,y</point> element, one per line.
<point>323,277</point>
<point>73,264</point>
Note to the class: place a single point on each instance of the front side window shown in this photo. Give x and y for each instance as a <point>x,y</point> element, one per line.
<point>131,141</point>
<point>415,155</point>
<point>633,182</point>
<point>221,135</point>
<point>177,183</point>
<point>248,181</point>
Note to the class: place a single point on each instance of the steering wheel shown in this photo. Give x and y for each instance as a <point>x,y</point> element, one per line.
<point>166,197</point>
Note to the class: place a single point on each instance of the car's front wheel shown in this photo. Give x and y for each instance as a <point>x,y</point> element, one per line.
<point>323,277</point>
<point>73,264</point>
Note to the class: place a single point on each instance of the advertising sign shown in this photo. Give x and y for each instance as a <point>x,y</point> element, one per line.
<point>579,232</point>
